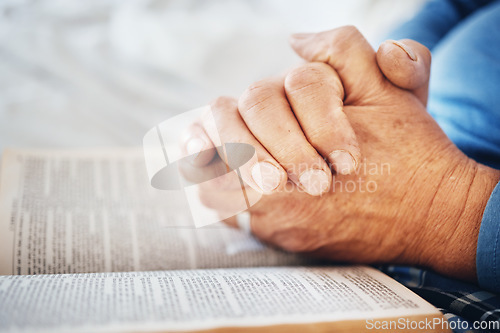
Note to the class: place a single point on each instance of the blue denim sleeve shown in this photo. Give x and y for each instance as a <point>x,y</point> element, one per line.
<point>436,19</point>
<point>488,245</point>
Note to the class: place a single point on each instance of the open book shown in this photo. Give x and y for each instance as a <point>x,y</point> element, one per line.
<point>86,245</point>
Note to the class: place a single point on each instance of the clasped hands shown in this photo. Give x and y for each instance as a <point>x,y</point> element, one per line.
<point>352,166</point>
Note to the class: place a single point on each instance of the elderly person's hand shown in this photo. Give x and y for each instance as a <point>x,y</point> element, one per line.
<point>401,191</point>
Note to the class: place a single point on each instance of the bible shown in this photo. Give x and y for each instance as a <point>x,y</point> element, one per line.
<point>86,245</point>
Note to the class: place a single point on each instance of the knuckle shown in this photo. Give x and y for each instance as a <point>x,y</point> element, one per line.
<point>223,104</point>
<point>254,97</point>
<point>350,30</point>
<point>311,76</point>
<point>319,135</point>
<point>345,37</point>
<point>220,109</point>
<point>290,156</point>
<point>347,34</point>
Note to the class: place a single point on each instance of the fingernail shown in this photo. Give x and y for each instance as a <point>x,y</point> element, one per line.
<point>194,146</point>
<point>266,176</point>
<point>301,35</point>
<point>314,181</point>
<point>342,161</point>
<point>407,49</point>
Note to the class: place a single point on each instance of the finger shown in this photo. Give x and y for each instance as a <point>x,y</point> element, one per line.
<point>198,146</point>
<point>349,53</point>
<point>199,174</point>
<point>406,63</point>
<point>266,175</point>
<point>228,201</point>
<point>315,93</point>
<point>267,114</point>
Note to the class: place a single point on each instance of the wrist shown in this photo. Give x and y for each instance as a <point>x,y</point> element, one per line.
<point>455,219</point>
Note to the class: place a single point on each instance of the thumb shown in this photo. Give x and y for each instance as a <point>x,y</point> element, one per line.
<point>406,64</point>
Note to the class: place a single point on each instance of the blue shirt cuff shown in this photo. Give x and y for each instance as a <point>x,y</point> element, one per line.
<point>488,245</point>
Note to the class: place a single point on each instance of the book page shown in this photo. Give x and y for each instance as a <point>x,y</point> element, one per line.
<point>87,211</point>
<point>202,299</point>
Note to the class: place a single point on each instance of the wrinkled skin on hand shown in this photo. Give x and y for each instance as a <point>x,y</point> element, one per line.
<point>414,198</point>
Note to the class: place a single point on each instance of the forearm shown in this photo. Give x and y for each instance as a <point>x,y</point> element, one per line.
<point>456,220</point>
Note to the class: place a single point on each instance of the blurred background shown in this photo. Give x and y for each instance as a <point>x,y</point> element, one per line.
<point>102,72</point>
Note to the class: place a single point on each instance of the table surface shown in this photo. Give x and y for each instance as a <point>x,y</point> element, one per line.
<point>102,72</point>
